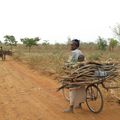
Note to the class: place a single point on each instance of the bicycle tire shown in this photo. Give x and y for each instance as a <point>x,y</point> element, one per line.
<point>94,92</point>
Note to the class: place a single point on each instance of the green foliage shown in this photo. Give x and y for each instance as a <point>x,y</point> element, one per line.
<point>45,43</point>
<point>112,44</point>
<point>29,42</point>
<point>116,30</point>
<point>10,40</point>
<point>102,43</point>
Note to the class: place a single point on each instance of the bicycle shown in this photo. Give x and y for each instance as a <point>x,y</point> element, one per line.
<point>94,97</point>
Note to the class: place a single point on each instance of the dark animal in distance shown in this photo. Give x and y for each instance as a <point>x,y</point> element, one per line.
<point>3,53</point>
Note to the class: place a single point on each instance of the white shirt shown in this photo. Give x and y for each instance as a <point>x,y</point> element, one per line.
<point>74,56</point>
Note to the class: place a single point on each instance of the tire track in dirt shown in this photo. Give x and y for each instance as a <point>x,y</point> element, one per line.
<point>27,95</point>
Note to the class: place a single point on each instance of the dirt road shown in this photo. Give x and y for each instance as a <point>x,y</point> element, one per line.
<point>28,95</point>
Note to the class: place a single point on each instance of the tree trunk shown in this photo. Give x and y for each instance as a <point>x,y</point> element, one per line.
<point>11,47</point>
<point>29,49</point>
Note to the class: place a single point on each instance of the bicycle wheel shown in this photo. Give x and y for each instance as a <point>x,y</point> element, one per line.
<point>65,92</point>
<point>94,99</point>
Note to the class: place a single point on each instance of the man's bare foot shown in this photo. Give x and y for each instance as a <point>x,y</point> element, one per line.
<point>78,106</point>
<point>69,110</point>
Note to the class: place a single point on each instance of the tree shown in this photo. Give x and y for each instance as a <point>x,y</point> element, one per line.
<point>29,42</point>
<point>116,30</point>
<point>0,42</point>
<point>102,43</point>
<point>112,44</point>
<point>10,40</point>
<point>45,43</point>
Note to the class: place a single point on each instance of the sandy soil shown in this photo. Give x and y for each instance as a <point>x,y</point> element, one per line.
<point>28,95</point>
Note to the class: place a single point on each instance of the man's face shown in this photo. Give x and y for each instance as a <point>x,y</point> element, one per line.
<point>73,46</point>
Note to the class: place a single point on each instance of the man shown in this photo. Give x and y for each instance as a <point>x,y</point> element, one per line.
<point>77,95</point>
<point>2,53</point>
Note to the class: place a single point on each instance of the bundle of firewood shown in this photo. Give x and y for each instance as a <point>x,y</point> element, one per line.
<point>91,72</point>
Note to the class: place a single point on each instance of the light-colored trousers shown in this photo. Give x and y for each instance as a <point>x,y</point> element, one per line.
<point>77,95</point>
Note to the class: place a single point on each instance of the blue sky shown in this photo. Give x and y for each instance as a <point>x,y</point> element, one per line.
<point>56,20</point>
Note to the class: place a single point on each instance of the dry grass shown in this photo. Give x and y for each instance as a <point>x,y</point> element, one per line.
<point>51,58</point>
<point>44,58</point>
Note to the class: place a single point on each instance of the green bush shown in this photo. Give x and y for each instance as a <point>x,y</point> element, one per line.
<point>102,43</point>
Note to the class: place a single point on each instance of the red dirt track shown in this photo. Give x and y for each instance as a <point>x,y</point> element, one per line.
<point>27,95</point>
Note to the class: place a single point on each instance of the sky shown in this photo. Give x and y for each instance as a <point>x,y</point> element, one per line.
<point>56,20</point>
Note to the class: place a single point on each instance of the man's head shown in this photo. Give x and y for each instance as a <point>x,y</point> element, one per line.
<point>75,44</point>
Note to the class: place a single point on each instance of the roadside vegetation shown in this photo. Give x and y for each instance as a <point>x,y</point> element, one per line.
<point>49,58</point>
